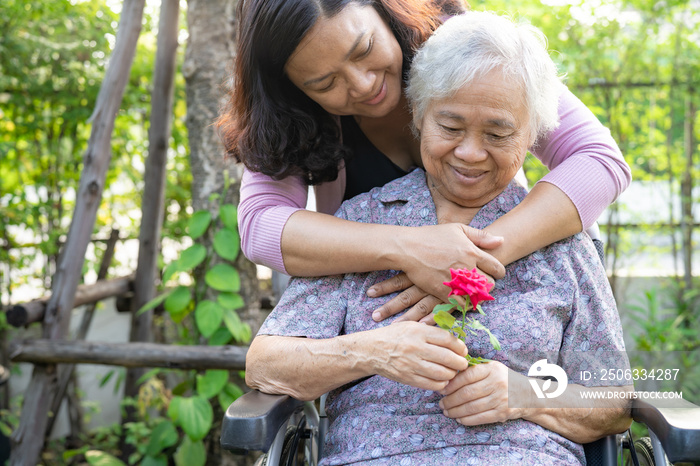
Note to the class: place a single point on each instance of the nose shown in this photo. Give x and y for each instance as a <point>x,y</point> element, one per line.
<point>360,83</point>
<point>471,149</point>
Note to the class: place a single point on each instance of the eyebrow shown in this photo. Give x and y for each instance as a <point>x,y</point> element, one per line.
<point>347,57</point>
<point>494,121</point>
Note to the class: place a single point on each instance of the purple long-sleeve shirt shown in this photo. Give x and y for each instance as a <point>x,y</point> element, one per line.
<point>585,163</point>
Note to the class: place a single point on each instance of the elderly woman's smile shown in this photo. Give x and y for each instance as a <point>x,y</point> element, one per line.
<point>473,142</point>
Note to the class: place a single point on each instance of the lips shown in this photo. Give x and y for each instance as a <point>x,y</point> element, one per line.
<point>379,97</point>
<point>469,175</point>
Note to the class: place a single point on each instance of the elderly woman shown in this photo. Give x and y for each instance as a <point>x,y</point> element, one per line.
<point>482,90</point>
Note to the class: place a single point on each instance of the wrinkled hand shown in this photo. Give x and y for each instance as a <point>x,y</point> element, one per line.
<point>479,395</point>
<point>416,354</point>
<point>430,252</point>
<point>410,295</point>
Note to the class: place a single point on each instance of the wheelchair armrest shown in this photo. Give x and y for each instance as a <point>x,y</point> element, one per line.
<point>677,427</point>
<point>253,420</point>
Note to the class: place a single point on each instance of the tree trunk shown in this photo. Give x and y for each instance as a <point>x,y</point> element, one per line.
<point>208,58</point>
<point>28,438</point>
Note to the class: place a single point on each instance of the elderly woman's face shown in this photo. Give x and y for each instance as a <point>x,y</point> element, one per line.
<point>473,143</point>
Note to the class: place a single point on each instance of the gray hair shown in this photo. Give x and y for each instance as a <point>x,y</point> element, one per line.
<point>468,46</point>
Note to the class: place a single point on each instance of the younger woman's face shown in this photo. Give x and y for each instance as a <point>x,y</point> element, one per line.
<point>349,64</point>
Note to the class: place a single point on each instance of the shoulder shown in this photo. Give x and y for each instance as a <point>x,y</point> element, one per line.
<point>371,206</point>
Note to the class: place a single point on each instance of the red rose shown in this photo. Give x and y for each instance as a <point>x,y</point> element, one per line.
<point>470,283</point>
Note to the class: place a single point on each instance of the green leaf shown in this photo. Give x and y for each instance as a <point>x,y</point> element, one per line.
<point>190,453</point>
<point>212,382</point>
<point>228,395</point>
<point>444,320</point>
<point>454,302</point>
<point>194,416</point>
<point>192,257</point>
<point>174,408</point>
<point>199,223</point>
<point>159,460</point>
<point>220,337</point>
<point>154,302</point>
<point>240,331</point>
<point>151,373</point>
<point>227,244</point>
<point>106,378</point>
<point>208,315</point>
<point>231,301</point>
<point>170,270</point>
<point>162,436</point>
<point>229,216</point>
<point>223,277</point>
<point>443,307</point>
<point>100,458</point>
<point>178,300</point>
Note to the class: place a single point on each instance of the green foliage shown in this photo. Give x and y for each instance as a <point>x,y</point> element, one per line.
<point>53,56</point>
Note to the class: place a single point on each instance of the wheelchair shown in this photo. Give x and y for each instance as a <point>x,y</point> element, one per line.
<point>291,432</point>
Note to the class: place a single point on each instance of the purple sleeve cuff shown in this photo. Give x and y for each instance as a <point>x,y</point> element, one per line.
<point>263,210</point>
<point>586,162</point>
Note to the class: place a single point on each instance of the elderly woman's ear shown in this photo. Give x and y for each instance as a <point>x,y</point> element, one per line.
<point>416,122</point>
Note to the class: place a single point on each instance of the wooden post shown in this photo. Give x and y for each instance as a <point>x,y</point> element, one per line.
<point>28,439</point>
<point>46,351</point>
<point>23,314</point>
<point>152,204</point>
<point>66,373</point>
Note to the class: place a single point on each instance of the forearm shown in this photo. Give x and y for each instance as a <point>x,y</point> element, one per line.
<point>585,424</point>
<point>315,244</point>
<point>545,216</point>
<point>304,368</point>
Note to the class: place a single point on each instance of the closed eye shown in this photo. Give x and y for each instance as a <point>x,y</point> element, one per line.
<point>369,48</point>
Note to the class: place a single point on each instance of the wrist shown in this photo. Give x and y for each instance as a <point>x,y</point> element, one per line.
<point>396,246</point>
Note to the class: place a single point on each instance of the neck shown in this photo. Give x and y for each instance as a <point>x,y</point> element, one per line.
<point>448,211</point>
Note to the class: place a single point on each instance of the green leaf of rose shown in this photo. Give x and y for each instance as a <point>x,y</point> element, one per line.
<point>227,244</point>
<point>223,277</point>
<point>443,307</point>
<point>444,320</point>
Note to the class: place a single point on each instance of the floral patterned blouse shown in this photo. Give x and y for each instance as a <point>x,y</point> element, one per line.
<point>555,301</point>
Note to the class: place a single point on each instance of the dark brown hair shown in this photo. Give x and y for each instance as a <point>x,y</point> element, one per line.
<point>272,126</point>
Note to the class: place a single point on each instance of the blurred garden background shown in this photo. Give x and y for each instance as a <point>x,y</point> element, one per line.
<point>635,63</point>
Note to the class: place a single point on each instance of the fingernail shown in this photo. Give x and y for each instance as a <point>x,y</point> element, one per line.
<point>441,404</point>
<point>371,292</point>
<point>376,315</point>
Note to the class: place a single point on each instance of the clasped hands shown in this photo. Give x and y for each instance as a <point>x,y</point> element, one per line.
<point>431,358</point>
<point>429,253</point>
